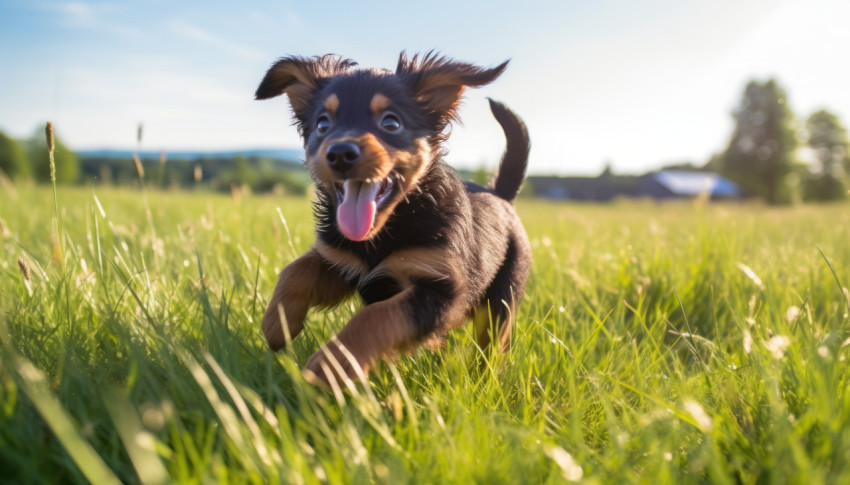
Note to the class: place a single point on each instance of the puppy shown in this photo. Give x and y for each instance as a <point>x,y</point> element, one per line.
<point>424,250</point>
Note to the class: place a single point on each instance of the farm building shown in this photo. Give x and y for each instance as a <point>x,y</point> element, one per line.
<point>673,184</point>
<point>661,185</point>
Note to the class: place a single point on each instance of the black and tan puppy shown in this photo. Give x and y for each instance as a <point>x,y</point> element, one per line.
<point>425,251</point>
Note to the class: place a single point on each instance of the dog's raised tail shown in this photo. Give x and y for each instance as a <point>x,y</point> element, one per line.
<point>508,180</point>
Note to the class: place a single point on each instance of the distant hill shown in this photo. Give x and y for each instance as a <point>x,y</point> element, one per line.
<point>262,169</point>
<point>292,154</point>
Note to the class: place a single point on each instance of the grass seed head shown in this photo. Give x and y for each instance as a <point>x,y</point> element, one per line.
<point>25,269</point>
<point>48,131</point>
<point>139,169</point>
<point>57,250</point>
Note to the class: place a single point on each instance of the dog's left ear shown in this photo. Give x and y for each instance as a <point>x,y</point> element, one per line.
<point>300,79</point>
<point>438,82</point>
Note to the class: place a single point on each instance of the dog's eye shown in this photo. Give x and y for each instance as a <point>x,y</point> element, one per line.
<point>390,123</point>
<point>323,124</point>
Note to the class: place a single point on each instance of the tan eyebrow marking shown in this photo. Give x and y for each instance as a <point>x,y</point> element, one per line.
<point>332,104</point>
<point>379,103</point>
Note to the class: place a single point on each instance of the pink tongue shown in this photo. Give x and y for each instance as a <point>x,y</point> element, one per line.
<point>356,214</point>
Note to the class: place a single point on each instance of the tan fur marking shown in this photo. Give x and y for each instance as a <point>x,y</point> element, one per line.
<point>318,166</point>
<point>332,104</point>
<point>441,91</point>
<point>415,167</point>
<point>485,327</point>
<point>304,283</point>
<point>379,103</point>
<point>444,99</point>
<point>345,262</point>
<point>419,263</point>
<point>411,169</point>
<point>376,161</point>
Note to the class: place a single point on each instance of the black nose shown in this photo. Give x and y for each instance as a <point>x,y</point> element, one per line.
<point>342,156</point>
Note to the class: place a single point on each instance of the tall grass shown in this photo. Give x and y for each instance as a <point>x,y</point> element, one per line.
<point>656,344</point>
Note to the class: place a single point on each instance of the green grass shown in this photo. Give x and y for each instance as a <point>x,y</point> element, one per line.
<point>136,355</point>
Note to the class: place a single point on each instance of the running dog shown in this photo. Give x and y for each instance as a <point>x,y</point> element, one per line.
<point>424,250</point>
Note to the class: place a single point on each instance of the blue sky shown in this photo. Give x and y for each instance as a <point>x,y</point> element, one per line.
<point>637,84</point>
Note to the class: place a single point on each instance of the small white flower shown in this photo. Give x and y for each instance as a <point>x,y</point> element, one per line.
<point>823,351</point>
<point>792,313</point>
<point>145,440</point>
<point>668,456</point>
<point>621,439</point>
<point>748,341</point>
<point>704,422</point>
<point>572,471</point>
<point>777,346</point>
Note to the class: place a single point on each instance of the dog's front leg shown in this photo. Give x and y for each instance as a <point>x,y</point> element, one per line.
<point>306,282</point>
<point>385,329</point>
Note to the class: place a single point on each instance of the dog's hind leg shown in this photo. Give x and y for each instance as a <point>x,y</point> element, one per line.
<point>306,282</point>
<point>495,316</point>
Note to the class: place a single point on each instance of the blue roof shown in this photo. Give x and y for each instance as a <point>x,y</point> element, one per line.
<point>695,183</point>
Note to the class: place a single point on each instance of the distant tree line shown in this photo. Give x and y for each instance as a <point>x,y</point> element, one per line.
<point>763,156</point>
<point>28,160</point>
<point>259,174</point>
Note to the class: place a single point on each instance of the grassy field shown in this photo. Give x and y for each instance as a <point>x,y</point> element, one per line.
<point>656,344</point>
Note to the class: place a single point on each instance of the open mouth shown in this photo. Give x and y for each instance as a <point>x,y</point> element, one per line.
<point>358,203</point>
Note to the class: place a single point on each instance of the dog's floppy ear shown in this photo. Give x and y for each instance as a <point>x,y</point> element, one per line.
<point>300,78</point>
<point>437,82</point>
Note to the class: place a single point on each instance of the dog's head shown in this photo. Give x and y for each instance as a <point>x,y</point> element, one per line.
<point>370,135</point>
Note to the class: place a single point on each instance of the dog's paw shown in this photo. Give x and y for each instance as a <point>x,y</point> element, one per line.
<point>328,363</point>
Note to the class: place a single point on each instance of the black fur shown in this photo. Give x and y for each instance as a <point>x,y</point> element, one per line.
<point>508,179</point>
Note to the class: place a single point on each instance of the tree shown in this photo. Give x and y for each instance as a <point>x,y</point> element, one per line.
<point>759,155</point>
<point>481,175</point>
<point>828,139</point>
<point>714,163</point>
<point>244,173</point>
<point>67,164</point>
<point>13,158</point>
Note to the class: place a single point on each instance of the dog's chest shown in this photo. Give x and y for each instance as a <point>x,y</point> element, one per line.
<point>380,278</point>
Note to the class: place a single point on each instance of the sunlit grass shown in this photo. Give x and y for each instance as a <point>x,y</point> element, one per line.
<point>656,343</point>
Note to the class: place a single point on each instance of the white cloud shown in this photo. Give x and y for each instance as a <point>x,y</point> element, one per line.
<point>199,34</point>
<point>77,13</point>
<point>90,16</point>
